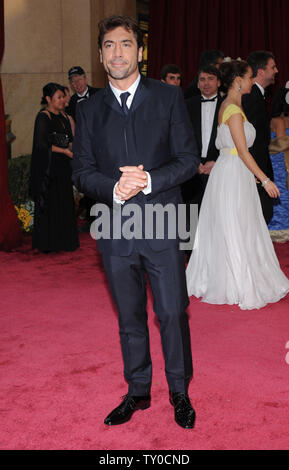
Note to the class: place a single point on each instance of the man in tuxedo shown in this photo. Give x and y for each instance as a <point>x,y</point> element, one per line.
<point>210,57</point>
<point>133,147</point>
<point>264,70</point>
<point>203,110</point>
<point>171,74</point>
<point>82,91</point>
<point>79,84</point>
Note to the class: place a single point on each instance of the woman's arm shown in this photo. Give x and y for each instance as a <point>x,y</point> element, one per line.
<point>66,151</point>
<point>235,124</point>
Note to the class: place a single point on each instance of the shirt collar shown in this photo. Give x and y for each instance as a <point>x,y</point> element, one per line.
<point>260,88</point>
<point>132,89</point>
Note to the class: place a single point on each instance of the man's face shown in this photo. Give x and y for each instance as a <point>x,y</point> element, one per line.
<point>208,84</point>
<point>173,79</point>
<point>269,73</point>
<point>78,83</point>
<point>119,54</point>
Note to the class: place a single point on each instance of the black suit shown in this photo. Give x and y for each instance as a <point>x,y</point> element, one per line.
<point>256,112</point>
<point>193,190</point>
<point>157,134</point>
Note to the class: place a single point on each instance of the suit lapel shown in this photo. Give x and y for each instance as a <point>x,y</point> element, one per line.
<point>258,93</point>
<point>111,100</point>
<point>215,124</point>
<point>140,94</point>
<point>198,123</point>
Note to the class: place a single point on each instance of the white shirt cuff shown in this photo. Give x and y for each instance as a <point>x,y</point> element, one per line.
<point>115,198</point>
<point>146,190</point>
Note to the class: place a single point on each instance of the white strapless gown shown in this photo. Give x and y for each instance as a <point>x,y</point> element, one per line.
<point>233,260</point>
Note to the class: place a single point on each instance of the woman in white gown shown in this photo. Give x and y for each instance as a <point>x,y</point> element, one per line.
<point>233,260</point>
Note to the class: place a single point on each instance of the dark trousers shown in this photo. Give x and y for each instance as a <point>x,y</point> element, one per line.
<point>166,273</point>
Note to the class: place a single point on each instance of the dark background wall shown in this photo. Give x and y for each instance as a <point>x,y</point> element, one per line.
<point>179,30</point>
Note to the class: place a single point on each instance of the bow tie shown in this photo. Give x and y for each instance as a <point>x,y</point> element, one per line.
<point>84,97</point>
<point>204,100</point>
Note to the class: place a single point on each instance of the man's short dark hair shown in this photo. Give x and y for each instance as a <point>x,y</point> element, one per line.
<point>211,57</point>
<point>209,69</point>
<point>259,60</point>
<point>169,68</point>
<point>112,22</point>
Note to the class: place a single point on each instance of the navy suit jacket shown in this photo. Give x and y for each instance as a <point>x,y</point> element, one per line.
<point>157,133</point>
<point>256,113</point>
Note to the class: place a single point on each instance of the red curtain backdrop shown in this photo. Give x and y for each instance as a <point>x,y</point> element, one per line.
<point>179,30</point>
<point>10,234</point>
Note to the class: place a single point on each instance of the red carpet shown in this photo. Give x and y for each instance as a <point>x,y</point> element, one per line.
<point>61,367</point>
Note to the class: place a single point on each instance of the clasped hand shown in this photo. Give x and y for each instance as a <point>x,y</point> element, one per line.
<point>206,168</point>
<point>133,180</point>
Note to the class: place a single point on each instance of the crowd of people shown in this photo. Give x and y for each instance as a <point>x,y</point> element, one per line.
<point>203,98</point>
<point>214,143</point>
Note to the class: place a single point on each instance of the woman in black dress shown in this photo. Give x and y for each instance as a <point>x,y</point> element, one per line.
<point>55,227</point>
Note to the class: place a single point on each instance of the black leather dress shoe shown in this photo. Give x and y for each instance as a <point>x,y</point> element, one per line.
<point>125,410</point>
<point>184,412</point>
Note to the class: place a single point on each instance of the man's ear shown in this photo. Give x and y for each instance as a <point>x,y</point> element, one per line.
<point>140,54</point>
<point>100,55</point>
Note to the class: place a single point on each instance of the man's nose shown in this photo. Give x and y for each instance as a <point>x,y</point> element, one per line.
<point>117,50</point>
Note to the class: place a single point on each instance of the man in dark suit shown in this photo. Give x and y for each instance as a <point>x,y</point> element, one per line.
<point>203,110</point>
<point>133,147</point>
<point>264,70</point>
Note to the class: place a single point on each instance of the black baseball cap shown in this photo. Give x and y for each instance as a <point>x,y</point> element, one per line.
<point>76,70</point>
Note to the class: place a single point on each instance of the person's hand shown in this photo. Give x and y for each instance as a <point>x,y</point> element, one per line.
<point>272,189</point>
<point>201,169</point>
<point>132,181</point>
<point>207,167</point>
<point>68,153</point>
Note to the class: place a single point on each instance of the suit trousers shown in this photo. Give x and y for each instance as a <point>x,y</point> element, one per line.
<point>127,279</point>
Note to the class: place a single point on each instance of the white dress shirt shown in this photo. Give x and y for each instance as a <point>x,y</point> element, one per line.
<point>117,92</point>
<point>261,89</point>
<point>208,110</point>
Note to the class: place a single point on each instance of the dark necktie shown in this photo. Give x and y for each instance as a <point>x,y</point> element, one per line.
<point>204,100</point>
<point>124,97</point>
